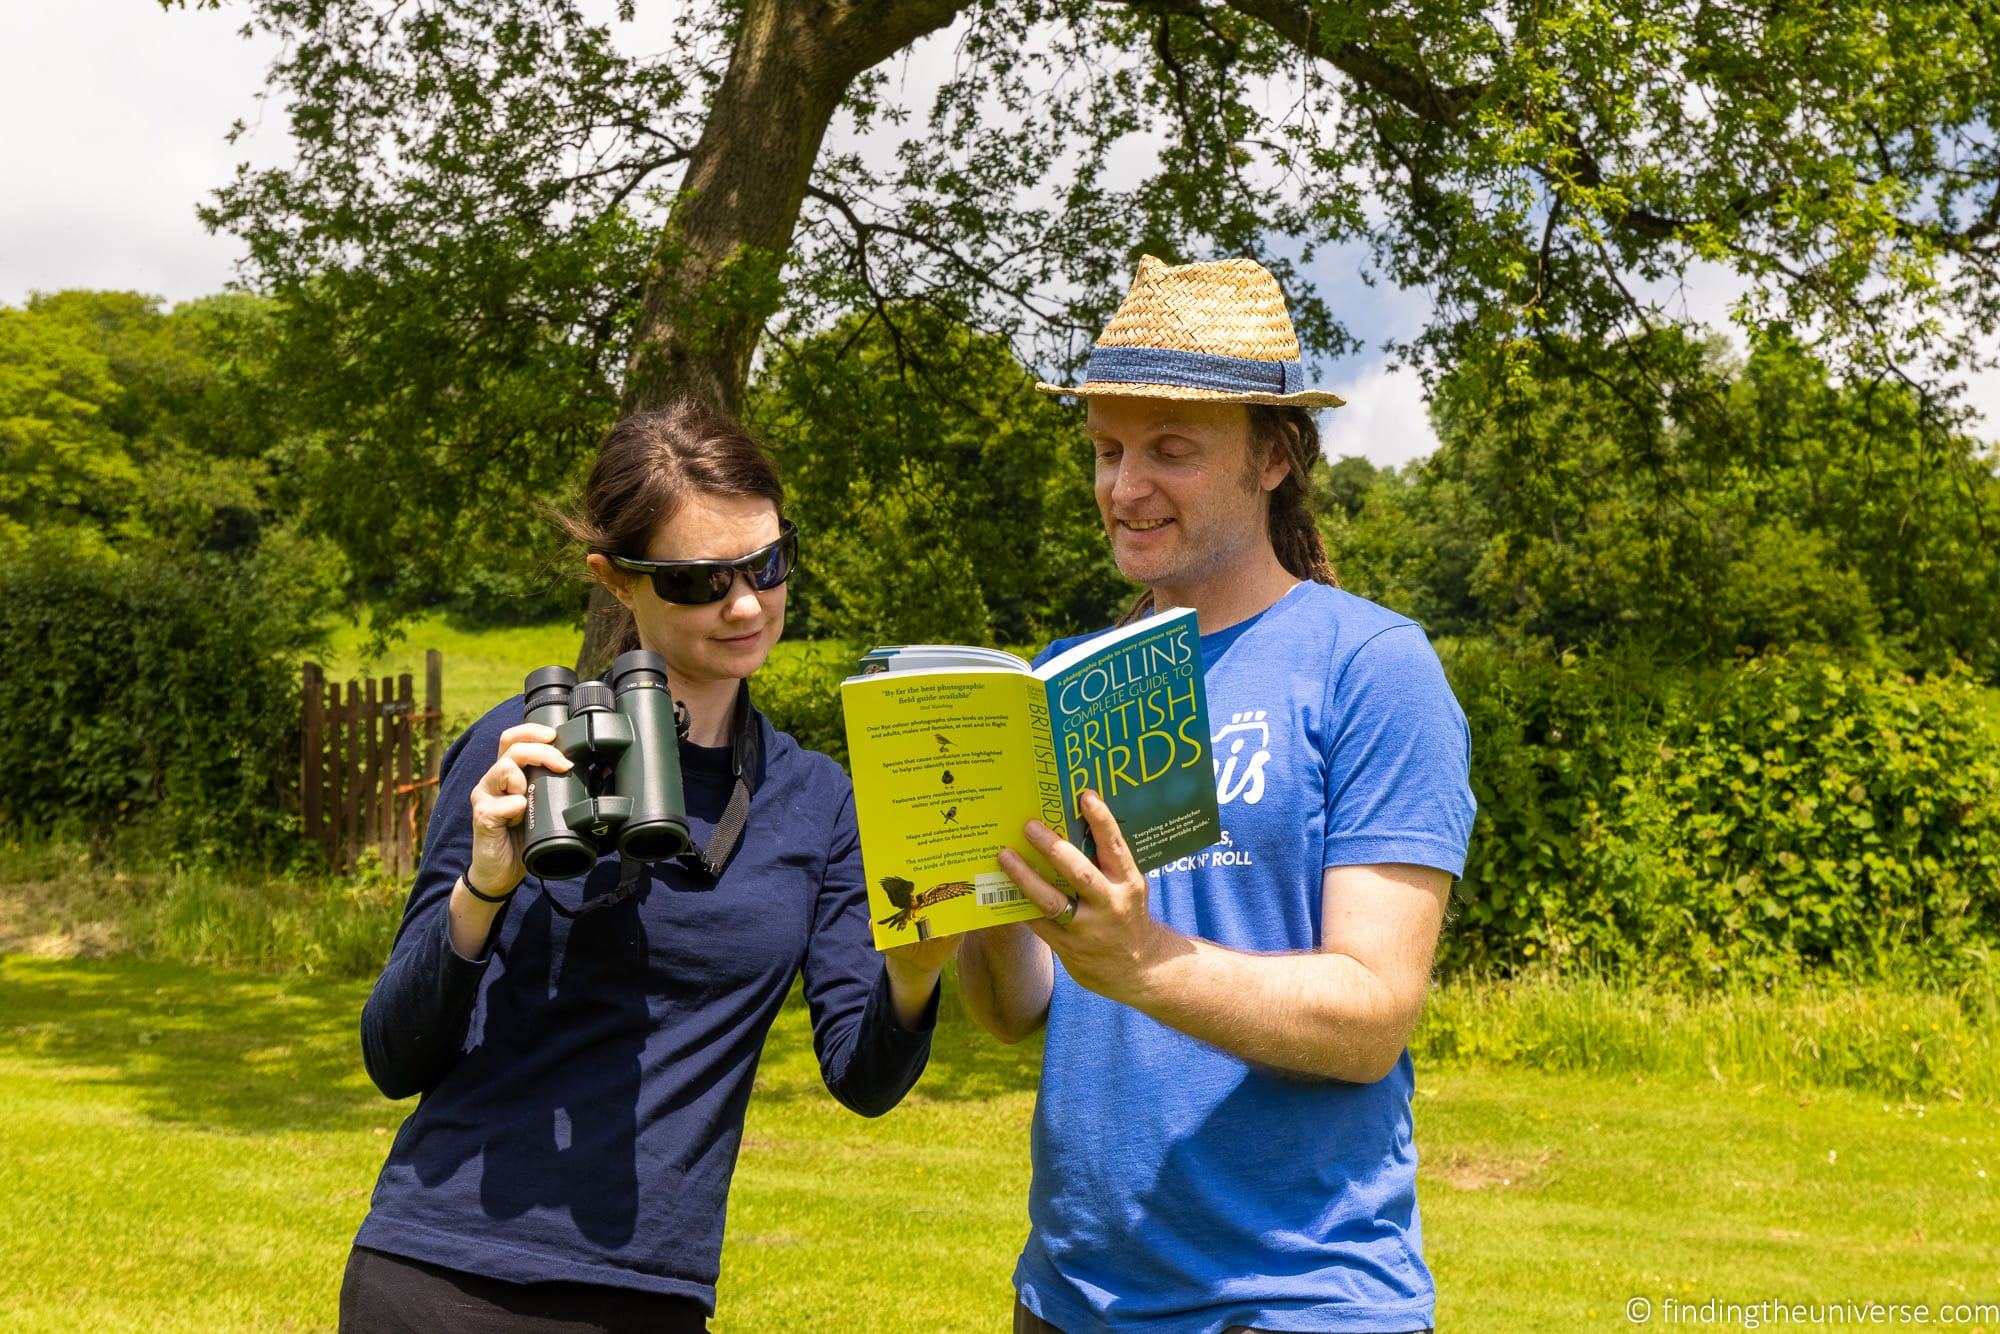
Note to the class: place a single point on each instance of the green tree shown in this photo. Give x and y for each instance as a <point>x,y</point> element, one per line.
<point>945,499</point>
<point>60,461</point>
<point>121,422</point>
<point>153,593</point>
<point>501,227</point>
<point>1747,506</point>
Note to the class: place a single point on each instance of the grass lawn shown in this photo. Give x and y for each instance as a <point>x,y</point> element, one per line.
<point>192,1149</point>
<point>483,667</point>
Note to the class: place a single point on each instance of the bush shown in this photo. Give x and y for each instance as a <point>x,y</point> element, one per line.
<point>798,689</point>
<point>1777,815</point>
<point>152,699</point>
<point>1808,810</point>
<point>1550,864</point>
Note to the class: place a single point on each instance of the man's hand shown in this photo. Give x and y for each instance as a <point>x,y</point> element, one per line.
<point>1113,938</point>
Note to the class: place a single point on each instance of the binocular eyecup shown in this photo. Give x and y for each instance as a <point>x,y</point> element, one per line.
<point>623,792</point>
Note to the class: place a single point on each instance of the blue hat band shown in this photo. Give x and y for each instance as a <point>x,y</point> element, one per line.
<point>1194,370</point>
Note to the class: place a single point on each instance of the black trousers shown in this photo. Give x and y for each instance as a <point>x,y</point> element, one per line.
<point>388,1294</point>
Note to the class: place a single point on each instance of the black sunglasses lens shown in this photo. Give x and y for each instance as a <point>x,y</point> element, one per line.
<point>701,582</point>
<point>777,566</point>
<point>693,585</point>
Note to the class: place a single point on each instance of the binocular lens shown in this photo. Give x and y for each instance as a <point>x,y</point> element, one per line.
<point>560,858</point>
<point>591,697</point>
<point>548,686</point>
<point>637,668</point>
<point>655,842</point>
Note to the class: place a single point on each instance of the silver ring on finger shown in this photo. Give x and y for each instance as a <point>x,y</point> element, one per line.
<point>1068,914</point>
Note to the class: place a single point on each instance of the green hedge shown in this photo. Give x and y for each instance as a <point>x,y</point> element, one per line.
<point>1767,818</point>
<point>151,701</point>
<point>1773,816</point>
<point>800,693</point>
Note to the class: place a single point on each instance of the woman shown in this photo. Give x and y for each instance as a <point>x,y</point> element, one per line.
<point>586,1048</point>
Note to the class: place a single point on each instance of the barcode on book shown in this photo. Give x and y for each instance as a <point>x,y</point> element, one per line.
<point>992,894</point>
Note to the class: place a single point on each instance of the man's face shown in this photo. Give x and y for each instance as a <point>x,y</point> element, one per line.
<point>1175,486</point>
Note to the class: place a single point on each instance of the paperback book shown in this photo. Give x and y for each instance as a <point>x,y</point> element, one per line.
<point>954,748</point>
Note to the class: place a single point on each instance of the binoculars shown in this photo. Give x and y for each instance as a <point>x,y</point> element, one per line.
<point>624,791</point>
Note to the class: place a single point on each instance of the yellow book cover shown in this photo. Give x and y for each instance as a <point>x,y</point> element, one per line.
<point>954,748</point>
<point>944,775</point>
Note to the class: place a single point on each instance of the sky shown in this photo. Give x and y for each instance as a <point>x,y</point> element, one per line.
<point>115,114</point>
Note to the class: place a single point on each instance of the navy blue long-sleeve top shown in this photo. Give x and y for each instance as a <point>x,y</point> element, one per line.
<point>584,1084</point>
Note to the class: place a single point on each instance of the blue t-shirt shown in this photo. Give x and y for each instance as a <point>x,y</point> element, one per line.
<point>1178,1188</point>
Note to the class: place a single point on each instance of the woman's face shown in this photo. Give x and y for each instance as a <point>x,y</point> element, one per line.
<point>716,641</point>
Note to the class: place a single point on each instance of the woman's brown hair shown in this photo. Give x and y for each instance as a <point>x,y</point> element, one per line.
<point>647,467</point>
<point>1294,536</point>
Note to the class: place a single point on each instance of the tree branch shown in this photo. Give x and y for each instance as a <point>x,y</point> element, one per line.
<point>1440,104</point>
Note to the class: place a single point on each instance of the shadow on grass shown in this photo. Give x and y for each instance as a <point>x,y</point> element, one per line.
<point>250,1054</point>
<point>966,1064</point>
<point>223,1051</point>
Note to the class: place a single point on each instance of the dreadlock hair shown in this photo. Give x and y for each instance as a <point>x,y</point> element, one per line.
<point>1294,536</point>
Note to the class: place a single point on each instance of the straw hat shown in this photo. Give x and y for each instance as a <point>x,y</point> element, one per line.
<point>1216,331</point>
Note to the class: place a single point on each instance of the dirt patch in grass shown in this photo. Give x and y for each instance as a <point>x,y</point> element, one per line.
<point>24,931</point>
<point>1467,1169</point>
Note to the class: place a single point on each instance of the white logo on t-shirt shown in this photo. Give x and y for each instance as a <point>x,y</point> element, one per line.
<point>1248,781</point>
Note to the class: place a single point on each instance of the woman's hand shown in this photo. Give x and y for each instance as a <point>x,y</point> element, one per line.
<point>913,975</point>
<point>500,804</point>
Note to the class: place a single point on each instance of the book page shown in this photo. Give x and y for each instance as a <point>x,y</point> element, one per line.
<point>937,657</point>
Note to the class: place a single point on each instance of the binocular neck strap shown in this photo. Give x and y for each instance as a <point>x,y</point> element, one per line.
<point>745,744</point>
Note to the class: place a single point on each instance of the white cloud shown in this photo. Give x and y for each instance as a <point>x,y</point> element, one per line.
<point>1385,421</point>
<point>115,112</point>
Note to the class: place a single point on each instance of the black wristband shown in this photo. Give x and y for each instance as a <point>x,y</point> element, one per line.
<point>466,880</point>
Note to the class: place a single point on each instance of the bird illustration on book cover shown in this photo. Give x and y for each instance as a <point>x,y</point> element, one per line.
<point>911,906</point>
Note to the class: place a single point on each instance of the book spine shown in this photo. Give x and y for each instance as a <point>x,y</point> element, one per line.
<point>1049,785</point>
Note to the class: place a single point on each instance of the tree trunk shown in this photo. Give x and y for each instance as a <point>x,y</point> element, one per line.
<point>714,279</point>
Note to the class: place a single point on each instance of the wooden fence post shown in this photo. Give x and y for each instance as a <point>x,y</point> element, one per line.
<point>384,785</point>
<point>433,734</point>
<point>351,825</point>
<point>312,752</point>
<point>336,779</point>
<point>404,825</point>
<point>371,803</point>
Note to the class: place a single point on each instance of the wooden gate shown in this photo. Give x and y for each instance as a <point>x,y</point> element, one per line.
<point>368,765</point>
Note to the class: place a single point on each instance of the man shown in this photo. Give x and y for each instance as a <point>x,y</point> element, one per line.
<point>1222,1139</point>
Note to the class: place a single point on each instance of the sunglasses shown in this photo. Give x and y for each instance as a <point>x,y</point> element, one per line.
<point>694,583</point>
